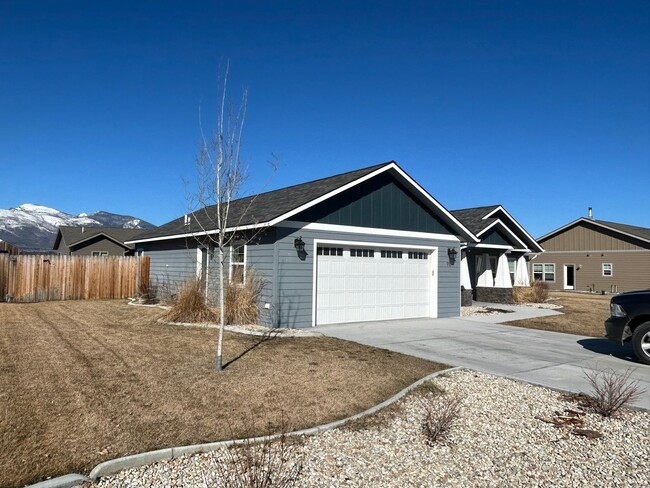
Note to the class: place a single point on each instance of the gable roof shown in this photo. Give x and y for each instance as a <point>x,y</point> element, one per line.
<point>641,233</point>
<point>481,219</point>
<point>73,236</point>
<point>270,208</point>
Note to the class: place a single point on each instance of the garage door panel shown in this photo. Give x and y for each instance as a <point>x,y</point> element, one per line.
<point>351,288</point>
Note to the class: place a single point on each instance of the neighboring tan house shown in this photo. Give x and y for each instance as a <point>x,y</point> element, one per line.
<point>595,256</point>
<point>370,244</point>
<point>94,241</point>
<point>499,260</point>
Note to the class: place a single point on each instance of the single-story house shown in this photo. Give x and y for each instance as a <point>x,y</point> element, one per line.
<point>595,256</point>
<point>369,244</point>
<point>492,266</point>
<point>94,241</point>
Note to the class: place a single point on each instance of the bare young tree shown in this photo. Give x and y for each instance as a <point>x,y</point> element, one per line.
<point>220,177</point>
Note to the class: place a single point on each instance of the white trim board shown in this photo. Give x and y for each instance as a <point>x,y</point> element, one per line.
<point>500,208</point>
<point>294,224</point>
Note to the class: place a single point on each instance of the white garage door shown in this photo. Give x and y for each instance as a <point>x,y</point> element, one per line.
<point>355,284</point>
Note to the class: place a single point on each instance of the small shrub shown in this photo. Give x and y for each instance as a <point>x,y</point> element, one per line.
<point>190,306</point>
<point>611,391</point>
<point>537,292</point>
<point>264,464</point>
<point>440,412</point>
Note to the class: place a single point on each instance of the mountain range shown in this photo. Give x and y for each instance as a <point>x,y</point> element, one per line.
<point>34,227</point>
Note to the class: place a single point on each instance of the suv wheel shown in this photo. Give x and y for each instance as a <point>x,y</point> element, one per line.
<point>641,342</point>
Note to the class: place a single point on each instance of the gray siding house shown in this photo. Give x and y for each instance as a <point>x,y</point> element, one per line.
<point>94,241</point>
<point>370,244</point>
<point>503,243</point>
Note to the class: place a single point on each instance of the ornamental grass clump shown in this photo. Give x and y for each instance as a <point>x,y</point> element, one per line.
<point>190,306</point>
<point>242,300</point>
<point>537,292</point>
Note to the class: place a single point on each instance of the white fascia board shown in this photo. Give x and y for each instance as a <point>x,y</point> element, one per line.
<point>200,233</point>
<point>504,227</point>
<point>367,230</point>
<point>516,223</point>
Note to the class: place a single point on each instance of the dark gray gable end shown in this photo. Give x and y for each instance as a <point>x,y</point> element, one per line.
<point>381,202</point>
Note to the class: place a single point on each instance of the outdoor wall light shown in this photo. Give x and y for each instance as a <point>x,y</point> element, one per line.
<point>452,253</point>
<point>299,244</point>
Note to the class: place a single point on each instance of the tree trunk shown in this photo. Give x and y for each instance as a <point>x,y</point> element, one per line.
<point>222,309</point>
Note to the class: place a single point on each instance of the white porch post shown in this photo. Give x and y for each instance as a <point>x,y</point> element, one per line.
<point>465,280</point>
<point>521,273</point>
<point>485,277</point>
<point>503,273</point>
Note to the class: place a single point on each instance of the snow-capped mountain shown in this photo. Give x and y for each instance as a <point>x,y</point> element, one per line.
<point>34,227</point>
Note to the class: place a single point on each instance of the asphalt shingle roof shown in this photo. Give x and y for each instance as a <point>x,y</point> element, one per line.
<point>642,232</point>
<point>260,208</point>
<point>472,218</point>
<point>73,235</point>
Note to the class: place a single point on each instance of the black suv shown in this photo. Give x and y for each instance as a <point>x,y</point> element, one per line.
<point>630,320</point>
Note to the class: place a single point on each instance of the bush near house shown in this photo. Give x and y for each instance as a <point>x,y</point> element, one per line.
<point>537,292</point>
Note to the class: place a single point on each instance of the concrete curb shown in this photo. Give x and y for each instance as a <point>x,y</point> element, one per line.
<point>66,481</point>
<point>116,465</point>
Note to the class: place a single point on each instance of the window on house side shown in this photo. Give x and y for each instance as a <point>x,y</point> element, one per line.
<point>608,269</point>
<point>544,271</point>
<point>238,263</point>
<point>99,254</point>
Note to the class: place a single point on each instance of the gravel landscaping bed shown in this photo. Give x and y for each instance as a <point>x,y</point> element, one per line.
<point>496,441</point>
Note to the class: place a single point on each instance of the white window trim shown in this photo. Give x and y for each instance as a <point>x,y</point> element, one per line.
<point>611,270</point>
<point>230,261</point>
<point>544,272</point>
<point>99,254</point>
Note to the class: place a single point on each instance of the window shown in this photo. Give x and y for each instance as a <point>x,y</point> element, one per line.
<point>391,254</point>
<point>512,267</point>
<point>608,269</point>
<point>238,263</point>
<point>418,255</point>
<point>329,251</point>
<point>544,272</point>
<point>362,253</point>
<point>99,254</point>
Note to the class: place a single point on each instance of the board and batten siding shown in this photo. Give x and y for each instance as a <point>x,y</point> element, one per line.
<point>585,237</point>
<point>291,298</point>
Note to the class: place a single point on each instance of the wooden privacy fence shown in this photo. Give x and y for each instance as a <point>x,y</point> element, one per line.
<point>40,278</point>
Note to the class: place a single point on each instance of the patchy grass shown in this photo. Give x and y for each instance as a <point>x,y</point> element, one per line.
<point>83,382</point>
<point>583,314</point>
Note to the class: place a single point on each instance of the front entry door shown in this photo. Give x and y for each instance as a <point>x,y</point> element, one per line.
<point>569,277</point>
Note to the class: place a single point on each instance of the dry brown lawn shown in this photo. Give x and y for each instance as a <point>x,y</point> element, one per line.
<point>584,314</point>
<point>83,382</point>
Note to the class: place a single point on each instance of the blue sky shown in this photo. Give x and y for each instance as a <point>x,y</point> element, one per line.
<point>543,107</point>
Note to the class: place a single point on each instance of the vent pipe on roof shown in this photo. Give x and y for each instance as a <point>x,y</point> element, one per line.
<point>591,214</point>
<point>83,229</point>
<point>186,221</point>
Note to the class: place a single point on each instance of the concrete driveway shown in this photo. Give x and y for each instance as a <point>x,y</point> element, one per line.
<point>544,358</point>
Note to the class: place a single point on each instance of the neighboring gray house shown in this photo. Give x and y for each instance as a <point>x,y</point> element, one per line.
<point>376,247</point>
<point>94,241</point>
<point>492,264</point>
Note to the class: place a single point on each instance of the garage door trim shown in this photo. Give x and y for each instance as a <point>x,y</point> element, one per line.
<point>434,266</point>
